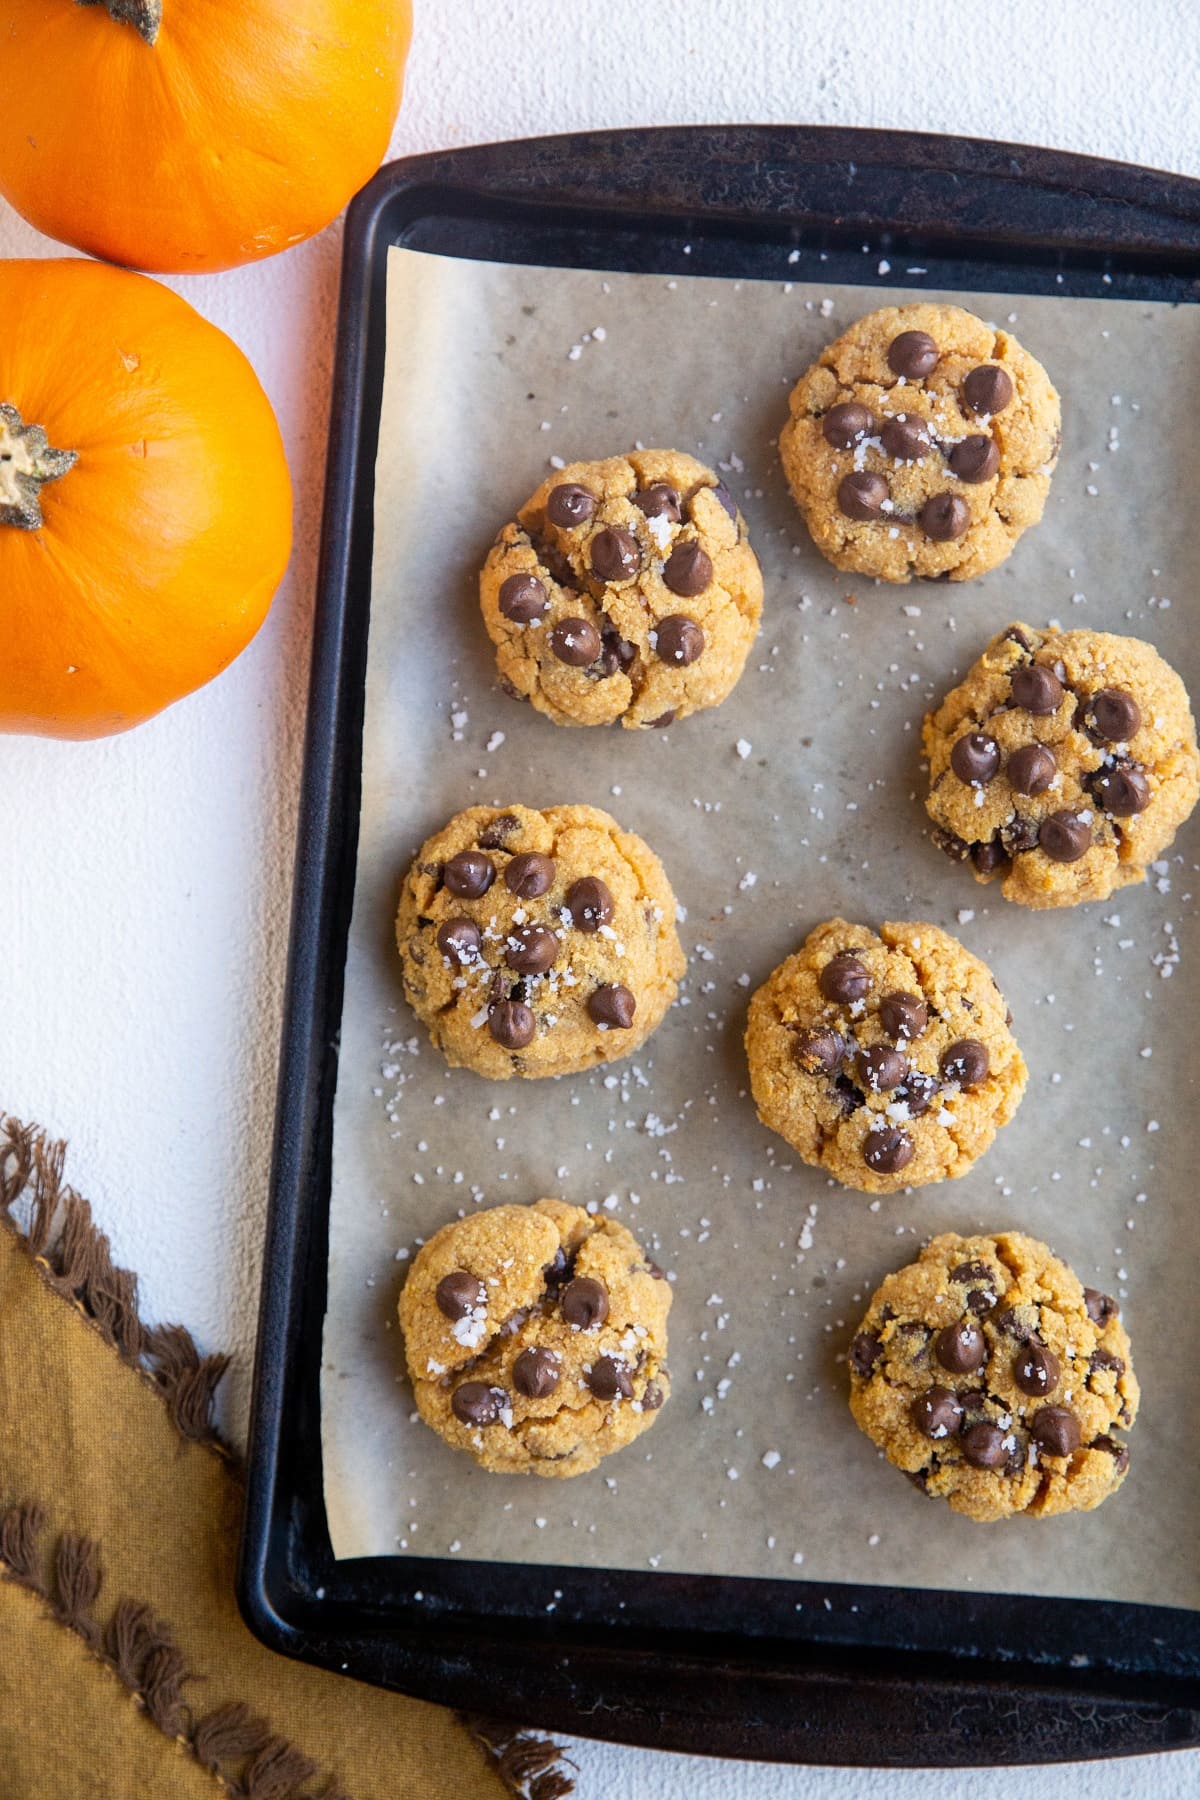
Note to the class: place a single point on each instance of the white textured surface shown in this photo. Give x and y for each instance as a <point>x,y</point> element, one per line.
<point>145,881</point>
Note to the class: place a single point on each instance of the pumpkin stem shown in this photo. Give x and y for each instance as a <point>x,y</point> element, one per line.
<point>26,462</point>
<point>144,15</point>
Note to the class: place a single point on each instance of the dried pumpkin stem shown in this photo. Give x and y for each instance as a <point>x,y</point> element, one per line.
<point>144,15</point>
<point>26,463</point>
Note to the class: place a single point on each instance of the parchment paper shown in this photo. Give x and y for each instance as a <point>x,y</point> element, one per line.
<point>755,1466</point>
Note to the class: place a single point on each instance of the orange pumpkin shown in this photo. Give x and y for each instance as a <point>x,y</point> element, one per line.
<point>145,504</point>
<point>188,135</point>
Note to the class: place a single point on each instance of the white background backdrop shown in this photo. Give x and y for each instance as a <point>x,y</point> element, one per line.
<point>144,886</point>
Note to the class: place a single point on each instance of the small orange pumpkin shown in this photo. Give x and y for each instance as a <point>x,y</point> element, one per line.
<point>145,503</point>
<point>189,135</point>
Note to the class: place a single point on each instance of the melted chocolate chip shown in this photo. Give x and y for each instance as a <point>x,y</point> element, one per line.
<point>1102,1309</point>
<point>975,758</point>
<point>569,504</point>
<point>887,1150</point>
<point>944,517</point>
<point>616,652</point>
<point>658,501</point>
<point>1056,1430</point>
<point>722,495</point>
<point>965,1061</point>
<point>529,875</point>
<point>1019,834</point>
<point>983,1445</point>
<point>1036,689</point>
<point>458,939</point>
<point>469,874</point>
<point>937,1413</point>
<point>987,389</point>
<point>663,720</point>
<point>961,1348</point>
<point>523,599</point>
<point>1031,769</point>
<point>1064,837</point>
<point>1012,1327</point>
<point>988,857</point>
<point>612,1006</point>
<point>608,1378</point>
<point>843,425</point>
<point>920,1091</point>
<point>1118,1452</point>
<point>1036,1370</point>
<point>974,1271</point>
<point>557,1271</point>
<point>844,978</point>
<point>975,458</point>
<point>459,1293</point>
<point>881,1068</point>
<point>903,1016</point>
<point>590,903</point>
<point>865,1352</point>
<point>913,354</point>
<point>531,950</point>
<point>575,642</point>
<point>1121,791</point>
<point>679,640</point>
<point>819,1051</point>
<point>1114,714</point>
<point>905,438</point>
<point>497,831</point>
<point>584,1302</point>
<point>862,494</point>
<point>477,1403</point>
<point>536,1373</point>
<point>1102,1362</point>
<point>615,554</point>
<point>511,1023</point>
<point>652,1397</point>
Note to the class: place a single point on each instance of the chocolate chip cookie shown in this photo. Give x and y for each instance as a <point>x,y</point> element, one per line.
<point>624,589</point>
<point>921,443</point>
<point>536,1337</point>
<point>537,943</point>
<point>995,1380</point>
<point>1063,764</point>
<point>884,1058</point>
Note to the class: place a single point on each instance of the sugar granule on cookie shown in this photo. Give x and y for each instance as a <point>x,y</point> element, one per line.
<point>921,443</point>
<point>537,943</point>
<point>624,590</point>
<point>885,1058</point>
<point>1063,764</point>
<point>536,1337</point>
<point>995,1380</point>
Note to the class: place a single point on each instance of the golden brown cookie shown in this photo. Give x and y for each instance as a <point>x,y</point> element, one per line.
<point>884,1058</point>
<point>537,943</point>
<point>625,589</point>
<point>995,1380</point>
<point>921,443</point>
<point>1063,764</point>
<point>536,1337</point>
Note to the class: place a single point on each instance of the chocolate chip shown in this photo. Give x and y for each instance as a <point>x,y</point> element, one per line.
<point>974,1271</point>
<point>608,1378</point>
<point>844,978</point>
<point>616,652</point>
<point>612,1006</point>
<point>1102,1309</point>
<point>1031,769</point>
<point>569,504</point>
<point>529,875</point>
<point>536,1373</point>
<point>987,389</point>
<point>913,354</point>
<point>1064,837</point>
<point>919,1091</point>
<point>1103,1361</point>
<point>861,495</point>
<point>1121,791</point>
<point>975,757</point>
<point>905,438</point>
<point>659,501</point>
<point>663,720</point>
<point>458,1293</point>
<point>679,639</point>
<point>887,1150</point>
<point>523,599</point>
<point>531,950</point>
<point>819,1051</point>
<point>590,903</point>
<point>1019,834</point>
<point>688,570</point>
<point>584,1302</point>
<point>1036,689</point>
<point>511,1023</point>
<point>903,1015</point>
<point>458,939</point>
<point>469,874</point>
<point>1115,715</point>
<point>944,517</point>
<point>965,1061</point>
<point>1118,1452</point>
<point>848,1096</point>
<point>865,1352</point>
<point>722,494</point>
<point>652,1397</point>
<point>1016,634</point>
<point>881,1068</point>
<point>988,857</point>
<point>937,1413</point>
<point>1036,1370</point>
<point>615,554</point>
<point>497,831</point>
<point>843,425</point>
<point>1013,1327</point>
<point>960,1348</point>
<point>477,1403</point>
<point>575,642</point>
<point>975,458</point>
<point>558,1269</point>
<point>1056,1430</point>
<point>983,1445</point>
